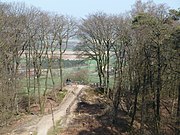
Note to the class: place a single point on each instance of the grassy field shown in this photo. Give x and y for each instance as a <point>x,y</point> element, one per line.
<point>86,74</point>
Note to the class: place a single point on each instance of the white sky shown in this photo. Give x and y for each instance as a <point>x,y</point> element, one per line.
<point>80,8</point>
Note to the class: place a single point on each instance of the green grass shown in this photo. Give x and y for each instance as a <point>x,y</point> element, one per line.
<point>55,130</point>
<point>35,133</point>
<point>61,95</point>
<point>42,84</point>
<point>92,77</point>
<point>91,69</point>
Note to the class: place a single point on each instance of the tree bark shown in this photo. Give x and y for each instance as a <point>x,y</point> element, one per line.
<point>135,105</point>
<point>158,88</point>
<point>178,107</point>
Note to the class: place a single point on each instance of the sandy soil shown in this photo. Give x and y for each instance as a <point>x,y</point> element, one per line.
<point>46,122</point>
<point>42,126</point>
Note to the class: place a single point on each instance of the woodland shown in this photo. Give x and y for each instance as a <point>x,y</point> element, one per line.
<point>136,54</point>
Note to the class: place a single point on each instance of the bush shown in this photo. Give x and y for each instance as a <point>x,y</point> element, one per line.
<point>80,76</point>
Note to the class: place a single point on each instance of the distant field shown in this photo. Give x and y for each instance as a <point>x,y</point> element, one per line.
<point>89,69</point>
<point>71,55</point>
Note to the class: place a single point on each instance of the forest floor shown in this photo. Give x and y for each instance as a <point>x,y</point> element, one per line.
<point>83,111</point>
<point>38,124</point>
<point>91,115</point>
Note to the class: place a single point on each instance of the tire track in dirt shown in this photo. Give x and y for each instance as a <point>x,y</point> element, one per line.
<point>46,122</point>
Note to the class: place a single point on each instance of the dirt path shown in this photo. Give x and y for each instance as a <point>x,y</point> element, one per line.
<point>46,122</point>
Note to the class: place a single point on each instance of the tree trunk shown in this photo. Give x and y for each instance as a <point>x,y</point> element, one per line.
<point>60,64</point>
<point>28,79</point>
<point>135,105</point>
<point>107,72</point>
<point>39,93</point>
<point>116,101</point>
<point>61,73</point>
<point>158,89</point>
<point>178,107</point>
<point>143,103</point>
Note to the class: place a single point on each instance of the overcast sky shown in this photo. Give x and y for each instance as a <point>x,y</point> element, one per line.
<point>80,8</point>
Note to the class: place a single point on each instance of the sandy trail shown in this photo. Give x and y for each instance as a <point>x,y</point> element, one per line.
<point>46,122</point>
